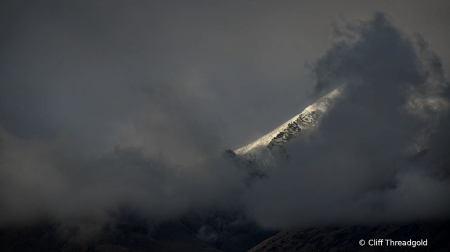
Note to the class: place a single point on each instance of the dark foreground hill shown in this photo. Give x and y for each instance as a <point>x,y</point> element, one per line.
<point>226,232</point>
<point>347,238</point>
<point>183,235</point>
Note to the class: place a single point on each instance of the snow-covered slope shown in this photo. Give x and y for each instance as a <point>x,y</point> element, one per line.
<point>259,151</point>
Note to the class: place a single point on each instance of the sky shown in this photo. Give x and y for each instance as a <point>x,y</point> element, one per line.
<point>105,103</point>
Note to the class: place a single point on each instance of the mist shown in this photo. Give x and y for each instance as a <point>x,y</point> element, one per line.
<point>109,105</point>
<point>364,163</point>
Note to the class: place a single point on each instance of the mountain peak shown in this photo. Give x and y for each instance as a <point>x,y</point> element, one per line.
<point>260,151</point>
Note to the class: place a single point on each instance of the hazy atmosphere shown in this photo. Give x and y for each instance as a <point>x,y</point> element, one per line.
<point>113,104</point>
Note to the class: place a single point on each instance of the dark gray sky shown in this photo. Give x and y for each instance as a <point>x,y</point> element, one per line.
<point>178,81</point>
<point>101,71</point>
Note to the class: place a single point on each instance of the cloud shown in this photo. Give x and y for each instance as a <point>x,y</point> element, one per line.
<point>47,179</point>
<point>361,164</point>
<point>105,105</point>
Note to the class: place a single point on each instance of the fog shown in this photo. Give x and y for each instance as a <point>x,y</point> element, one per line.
<point>363,164</point>
<point>112,104</point>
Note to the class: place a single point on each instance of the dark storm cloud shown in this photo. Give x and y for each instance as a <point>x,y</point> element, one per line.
<point>362,163</point>
<point>112,103</point>
<point>41,179</point>
<point>81,68</point>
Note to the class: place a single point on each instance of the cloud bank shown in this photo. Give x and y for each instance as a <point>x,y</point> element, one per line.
<point>106,118</point>
<point>362,165</point>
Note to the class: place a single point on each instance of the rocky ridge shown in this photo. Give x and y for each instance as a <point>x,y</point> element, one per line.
<point>260,153</point>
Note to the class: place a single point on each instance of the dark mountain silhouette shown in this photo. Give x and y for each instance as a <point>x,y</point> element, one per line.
<point>346,238</point>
